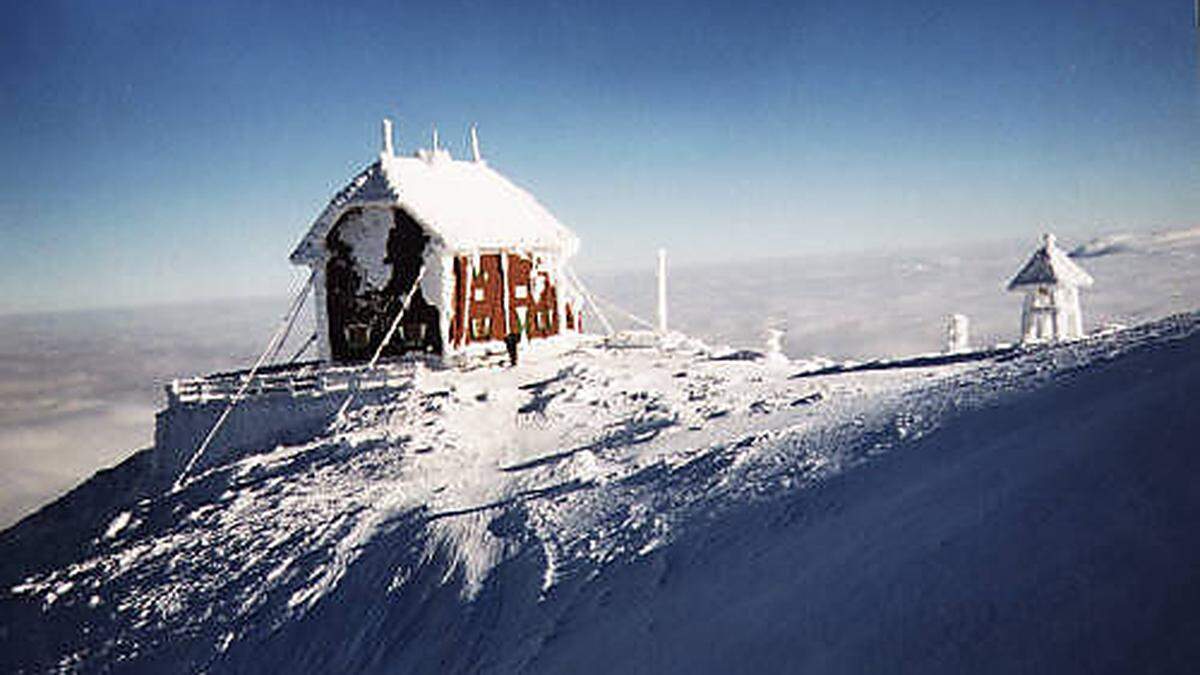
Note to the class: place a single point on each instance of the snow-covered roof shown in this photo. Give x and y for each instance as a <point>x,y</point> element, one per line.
<point>1049,265</point>
<point>466,205</point>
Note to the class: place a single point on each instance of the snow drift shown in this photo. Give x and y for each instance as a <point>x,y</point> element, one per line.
<point>659,510</point>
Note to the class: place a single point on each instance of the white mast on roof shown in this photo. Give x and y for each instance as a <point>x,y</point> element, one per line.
<point>388,148</point>
<point>475,156</point>
<point>435,138</point>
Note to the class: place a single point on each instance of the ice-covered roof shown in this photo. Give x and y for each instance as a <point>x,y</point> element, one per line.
<point>1049,265</point>
<point>466,205</point>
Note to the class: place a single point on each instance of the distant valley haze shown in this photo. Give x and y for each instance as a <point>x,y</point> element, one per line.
<point>78,390</point>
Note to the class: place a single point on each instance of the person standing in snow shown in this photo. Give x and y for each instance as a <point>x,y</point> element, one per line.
<point>511,341</point>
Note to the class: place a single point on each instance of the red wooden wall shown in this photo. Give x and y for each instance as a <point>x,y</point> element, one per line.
<point>478,314</point>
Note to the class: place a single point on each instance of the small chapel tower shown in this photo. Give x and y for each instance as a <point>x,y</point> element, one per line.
<point>1051,283</point>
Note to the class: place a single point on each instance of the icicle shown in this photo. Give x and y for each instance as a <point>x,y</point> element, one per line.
<point>539,287</point>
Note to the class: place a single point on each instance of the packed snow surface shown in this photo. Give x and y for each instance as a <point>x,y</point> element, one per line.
<point>674,508</point>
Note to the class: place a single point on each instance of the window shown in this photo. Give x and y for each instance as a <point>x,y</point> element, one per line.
<point>358,336</point>
<point>414,332</point>
<point>521,292</point>
<point>479,294</point>
<point>481,328</point>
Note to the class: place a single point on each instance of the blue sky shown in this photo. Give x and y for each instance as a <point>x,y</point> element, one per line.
<point>160,151</point>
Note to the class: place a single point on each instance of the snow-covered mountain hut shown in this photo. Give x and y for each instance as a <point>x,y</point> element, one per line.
<point>482,258</point>
<point>1051,283</point>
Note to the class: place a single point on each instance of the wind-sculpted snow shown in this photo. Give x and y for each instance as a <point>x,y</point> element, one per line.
<point>614,510</point>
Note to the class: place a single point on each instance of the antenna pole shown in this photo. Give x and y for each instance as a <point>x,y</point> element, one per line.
<point>662,290</point>
<point>475,141</point>
<point>388,148</point>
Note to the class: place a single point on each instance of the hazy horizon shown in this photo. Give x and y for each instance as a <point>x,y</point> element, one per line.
<point>634,264</point>
<point>79,389</point>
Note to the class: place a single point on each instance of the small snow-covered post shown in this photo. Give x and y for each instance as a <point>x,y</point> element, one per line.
<point>957,333</point>
<point>388,147</point>
<point>774,346</point>
<point>662,290</point>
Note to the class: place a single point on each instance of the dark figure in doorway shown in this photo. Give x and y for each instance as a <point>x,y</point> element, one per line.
<point>511,341</point>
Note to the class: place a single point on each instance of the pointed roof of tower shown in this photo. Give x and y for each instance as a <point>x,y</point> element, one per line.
<point>1050,266</point>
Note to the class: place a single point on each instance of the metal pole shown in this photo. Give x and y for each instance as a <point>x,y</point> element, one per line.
<point>662,290</point>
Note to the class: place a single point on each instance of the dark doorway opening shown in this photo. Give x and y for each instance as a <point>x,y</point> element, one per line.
<point>359,318</point>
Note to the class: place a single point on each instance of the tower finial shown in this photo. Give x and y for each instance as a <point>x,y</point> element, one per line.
<point>388,148</point>
<point>435,138</point>
<point>1048,240</point>
<point>475,145</point>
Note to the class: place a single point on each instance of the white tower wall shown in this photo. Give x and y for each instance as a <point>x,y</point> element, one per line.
<point>1051,314</point>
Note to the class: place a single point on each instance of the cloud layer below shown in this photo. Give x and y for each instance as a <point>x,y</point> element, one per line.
<point>78,391</point>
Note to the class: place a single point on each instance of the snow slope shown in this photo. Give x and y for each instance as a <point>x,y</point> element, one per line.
<point>609,509</point>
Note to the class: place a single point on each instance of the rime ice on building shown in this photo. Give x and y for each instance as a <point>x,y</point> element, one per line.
<point>483,257</point>
<point>1051,283</point>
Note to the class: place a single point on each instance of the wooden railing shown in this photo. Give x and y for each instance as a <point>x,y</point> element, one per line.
<point>308,379</point>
